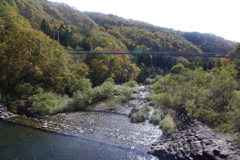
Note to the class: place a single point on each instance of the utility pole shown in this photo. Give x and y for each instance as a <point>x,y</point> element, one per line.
<point>54,35</point>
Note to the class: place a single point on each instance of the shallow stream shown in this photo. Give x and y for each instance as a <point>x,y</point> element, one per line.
<point>103,133</point>
<point>23,143</point>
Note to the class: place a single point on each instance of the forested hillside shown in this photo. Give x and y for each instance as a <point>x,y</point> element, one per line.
<point>88,30</point>
<point>96,31</point>
<point>32,62</point>
<point>209,42</point>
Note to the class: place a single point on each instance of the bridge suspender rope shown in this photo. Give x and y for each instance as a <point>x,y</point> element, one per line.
<point>171,53</point>
<point>56,33</point>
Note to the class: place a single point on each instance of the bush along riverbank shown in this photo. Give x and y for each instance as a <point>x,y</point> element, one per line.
<point>211,105</point>
<point>101,123</point>
<point>195,141</point>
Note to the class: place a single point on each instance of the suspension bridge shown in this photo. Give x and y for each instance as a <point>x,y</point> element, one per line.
<point>171,53</point>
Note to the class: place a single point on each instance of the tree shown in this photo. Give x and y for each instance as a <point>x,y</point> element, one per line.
<point>45,27</point>
<point>118,67</point>
<point>209,97</point>
<point>29,56</point>
<point>86,44</point>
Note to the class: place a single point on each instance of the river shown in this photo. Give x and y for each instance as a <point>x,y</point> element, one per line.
<point>23,143</point>
<point>94,135</point>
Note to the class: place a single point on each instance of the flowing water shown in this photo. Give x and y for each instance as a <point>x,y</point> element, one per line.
<point>24,143</point>
<point>103,133</point>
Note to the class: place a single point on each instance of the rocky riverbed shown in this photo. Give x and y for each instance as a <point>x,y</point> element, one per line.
<point>195,141</point>
<point>105,124</point>
<point>5,114</point>
<point>111,125</point>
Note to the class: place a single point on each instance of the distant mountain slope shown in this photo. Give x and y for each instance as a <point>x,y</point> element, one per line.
<point>91,31</point>
<point>210,42</point>
<point>177,40</point>
<point>135,33</point>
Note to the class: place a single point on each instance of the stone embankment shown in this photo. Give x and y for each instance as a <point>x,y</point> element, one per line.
<point>195,141</point>
<point>5,114</point>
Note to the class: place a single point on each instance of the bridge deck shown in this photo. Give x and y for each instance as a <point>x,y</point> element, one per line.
<point>171,53</point>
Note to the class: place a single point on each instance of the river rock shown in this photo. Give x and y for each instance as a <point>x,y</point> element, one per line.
<point>5,114</point>
<point>194,141</point>
<point>45,125</point>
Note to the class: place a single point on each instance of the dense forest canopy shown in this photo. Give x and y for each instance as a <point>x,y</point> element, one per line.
<point>89,30</point>
<point>33,62</point>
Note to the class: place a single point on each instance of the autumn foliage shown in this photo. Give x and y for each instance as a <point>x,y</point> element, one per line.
<point>30,56</point>
<point>35,36</point>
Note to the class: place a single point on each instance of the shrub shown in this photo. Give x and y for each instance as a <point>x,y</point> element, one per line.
<point>210,117</point>
<point>209,96</point>
<point>125,95</point>
<point>107,89</point>
<point>117,92</point>
<point>149,81</point>
<point>237,142</point>
<point>26,90</point>
<point>19,107</point>
<point>147,99</point>
<point>139,114</point>
<point>236,121</point>
<point>226,127</point>
<point>164,99</point>
<point>157,117</point>
<point>157,78</point>
<point>177,69</point>
<point>82,85</point>
<point>131,84</point>
<point>168,125</point>
<point>43,103</point>
<point>82,99</point>
<point>110,80</point>
<point>102,92</point>
<point>64,105</point>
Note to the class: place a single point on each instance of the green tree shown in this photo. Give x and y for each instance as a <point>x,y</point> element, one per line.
<point>209,97</point>
<point>86,44</point>
<point>45,27</point>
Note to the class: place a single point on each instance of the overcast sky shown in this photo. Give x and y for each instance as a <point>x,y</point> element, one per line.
<point>220,17</point>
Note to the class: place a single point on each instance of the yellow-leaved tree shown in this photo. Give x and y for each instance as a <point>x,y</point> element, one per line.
<point>29,56</point>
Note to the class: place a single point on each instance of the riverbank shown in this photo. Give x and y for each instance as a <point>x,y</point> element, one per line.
<point>111,125</point>
<point>5,114</point>
<point>195,141</point>
<point>26,143</point>
<point>105,124</point>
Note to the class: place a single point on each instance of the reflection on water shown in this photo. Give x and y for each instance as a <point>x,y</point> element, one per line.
<point>23,143</point>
